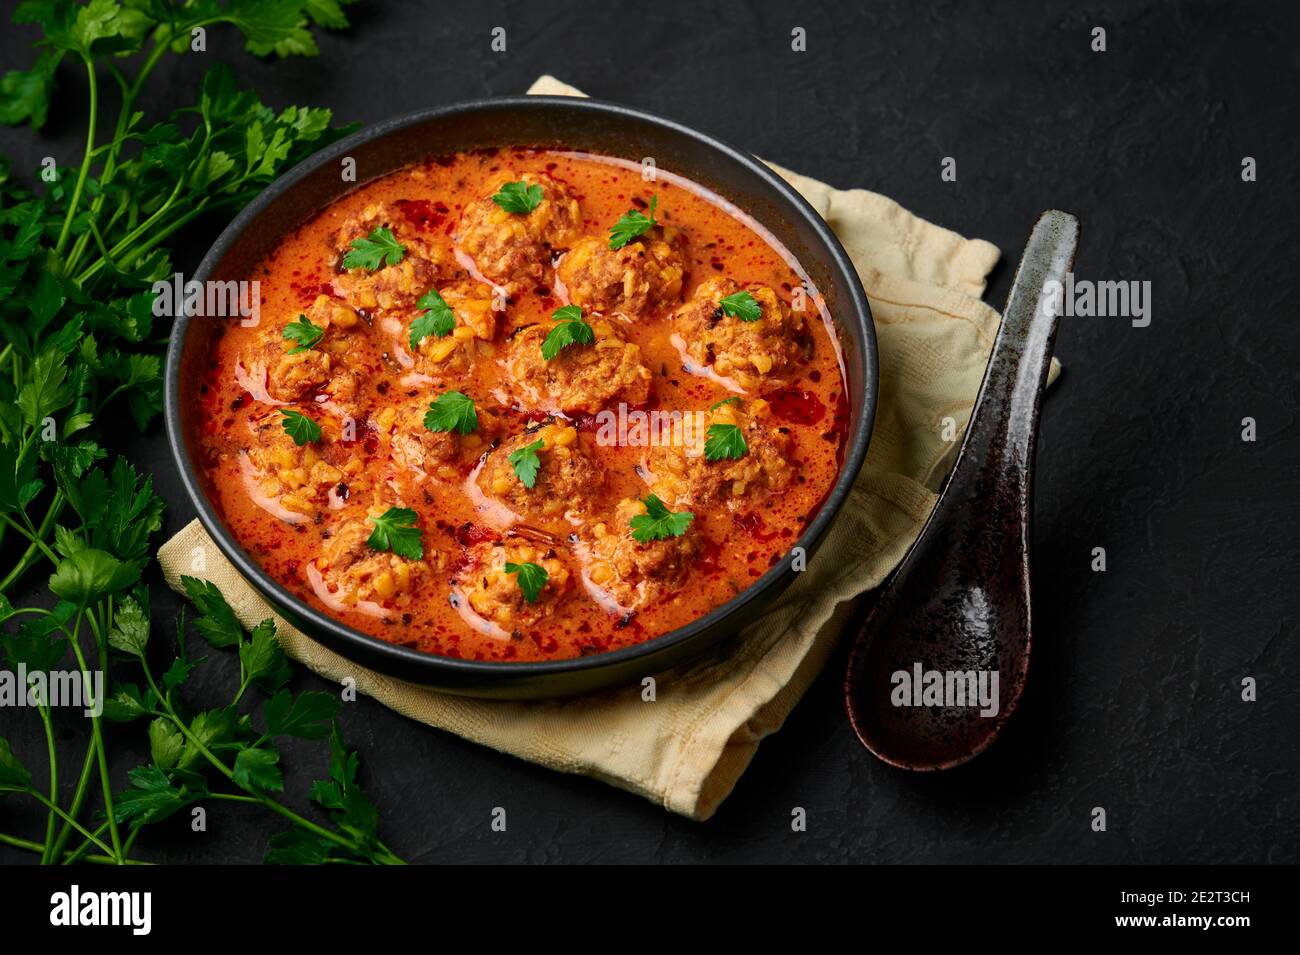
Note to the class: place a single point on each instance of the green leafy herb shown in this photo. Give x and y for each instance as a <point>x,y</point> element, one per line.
<point>724,441</point>
<point>658,523</point>
<point>518,197</point>
<point>437,319</point>
<point>373,251</point>
<point>743,306</point>
<point>396,531</point>
<point>571,330</point>
<point>306,334</point>
<point>452,411</point>
<point>526,462</point>
<point>298,426</point>
<point>733,400</point>
<point>84,261</point>
<point>530,577</point>
<point>633,223</point>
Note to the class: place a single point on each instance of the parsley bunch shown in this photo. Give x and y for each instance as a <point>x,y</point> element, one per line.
<point>79,254</point>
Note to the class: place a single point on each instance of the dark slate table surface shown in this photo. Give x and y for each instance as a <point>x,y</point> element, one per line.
<point>1134,702</point>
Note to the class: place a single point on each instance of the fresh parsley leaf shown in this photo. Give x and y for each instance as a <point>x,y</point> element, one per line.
<point>298,847</point>
<point>307,716</point>
<point>374,250</point>
<point>298,426</point>
<point>256,769</point>
<point>452,411</point>
<point>519,197</point>
<point>741,305</point>
<point>211,728</point>
<point>126,703</point>
<point>217,621</point>
<point>526,462</point>
<point>725,441</point>
<point>151,797</point>
<point>165,743</point>
<point>304,333</point>
<point>530,577</point>
<point>571,330</point>
<point>262,659</point>
<point>177,674</point>
<point>634,223</point>
<point>658,523</point>
<point>88,575</point>
<point>438,318</point>
<point>733,400</point>
<point>396,531</point>
<point>130,632</point>
<point>13,774</point>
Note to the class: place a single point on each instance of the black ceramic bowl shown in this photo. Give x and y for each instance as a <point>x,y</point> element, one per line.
<point>580,124</point>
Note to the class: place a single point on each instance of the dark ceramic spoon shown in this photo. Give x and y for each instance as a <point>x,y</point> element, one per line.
<point>959,601</point>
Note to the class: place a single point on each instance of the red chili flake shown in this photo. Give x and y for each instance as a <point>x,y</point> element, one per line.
<point>796,406</point>
<point>708,562</point>
<point>469,534</point>
<point>753,524</point>
<point>420,213</point>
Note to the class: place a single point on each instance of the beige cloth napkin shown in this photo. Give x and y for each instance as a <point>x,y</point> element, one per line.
<point>687,748</point>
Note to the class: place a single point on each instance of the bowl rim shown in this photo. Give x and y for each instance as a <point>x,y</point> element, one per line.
<point>411,662</point>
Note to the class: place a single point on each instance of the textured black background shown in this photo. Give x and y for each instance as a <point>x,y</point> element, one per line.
<point>1134,702</point>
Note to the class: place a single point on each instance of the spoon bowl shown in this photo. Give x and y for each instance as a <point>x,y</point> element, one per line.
<point>941,661</point>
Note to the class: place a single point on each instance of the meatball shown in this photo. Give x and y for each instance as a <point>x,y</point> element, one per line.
<point>289,481</point>
<point>390,286</point>
<point>351,573</point>
<point>634,281</point>
<point>567,478</point>
<point>513,248</point>
<point>747,353</point>
<point>274,372</point>
<point>583,378</point>
<point>496,596</point>
<point>476,327</point>
<point>421,453</point>
<point>631,574</point>
<point>686,475</point>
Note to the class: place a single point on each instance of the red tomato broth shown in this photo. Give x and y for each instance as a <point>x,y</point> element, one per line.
<point>738,539</point>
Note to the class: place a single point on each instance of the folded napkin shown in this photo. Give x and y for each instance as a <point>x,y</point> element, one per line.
<point>687,749</point>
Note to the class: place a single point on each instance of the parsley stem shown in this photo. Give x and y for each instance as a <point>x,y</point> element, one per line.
<point>54,780</point>
<point>85,160</point>
<point>78,797</point>
<point>30,846</point>
<point>97,735</point>
<point>129,95</point>
<point>31,536</point>
<point>29,556</point>
<point>40,798</point>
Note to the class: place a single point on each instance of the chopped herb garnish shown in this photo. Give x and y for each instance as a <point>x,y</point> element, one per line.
<point>572,330</point>
<point>634,223</point>
<point>299,427</point>
<point>530,577</point>
<point>725,441</point>
<point>452,411</point>
<point>438,319</point>
<point>304,333</point>
<point>658,523</point>
<point>733,400</point>
<point>743,306</point>
<point>395,531</point>
<point>519,197</point>
<point>374,250</point>
<point>526,462</point>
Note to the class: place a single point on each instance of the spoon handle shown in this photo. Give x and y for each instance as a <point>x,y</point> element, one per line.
<point>1000,440</point>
